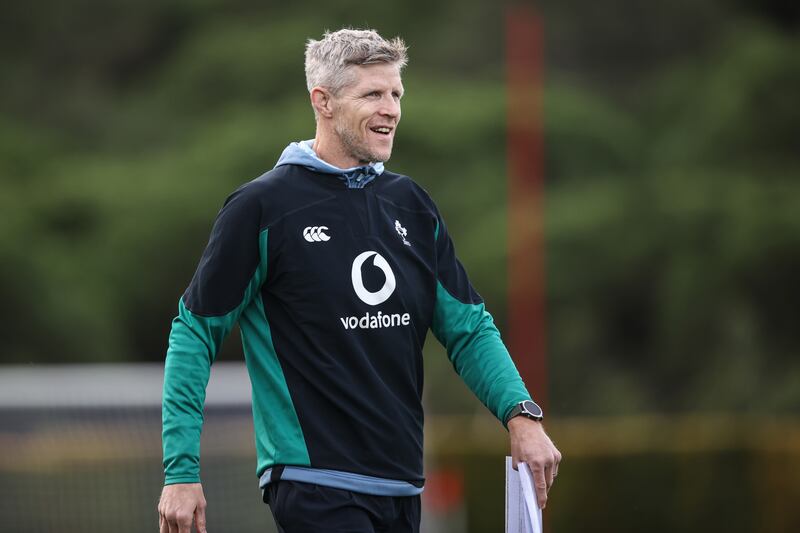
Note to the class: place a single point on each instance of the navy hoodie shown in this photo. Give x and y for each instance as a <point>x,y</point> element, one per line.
<point>334,276</point>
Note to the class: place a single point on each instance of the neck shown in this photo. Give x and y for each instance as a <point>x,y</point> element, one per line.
<point>329,149</point>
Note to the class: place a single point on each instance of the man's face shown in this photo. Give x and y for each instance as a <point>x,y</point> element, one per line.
<point>367,111</point>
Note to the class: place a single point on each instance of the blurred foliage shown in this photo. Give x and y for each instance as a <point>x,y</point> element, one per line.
<point>673,239</point>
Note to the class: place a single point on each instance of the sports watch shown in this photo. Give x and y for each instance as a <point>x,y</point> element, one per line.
<point>528,409</point>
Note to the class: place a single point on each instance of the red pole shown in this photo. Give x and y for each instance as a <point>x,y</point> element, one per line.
<point>526,288</point>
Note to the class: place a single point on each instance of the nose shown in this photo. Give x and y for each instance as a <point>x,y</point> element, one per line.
<point>390,107</point>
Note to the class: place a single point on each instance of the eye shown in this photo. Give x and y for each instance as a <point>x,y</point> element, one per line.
<point>374,94</point>
<point>397,95</point>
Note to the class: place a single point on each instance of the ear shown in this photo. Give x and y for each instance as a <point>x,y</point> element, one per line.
<point>322,102</point>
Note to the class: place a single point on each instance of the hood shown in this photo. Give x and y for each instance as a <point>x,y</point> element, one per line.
<point>301,153</point>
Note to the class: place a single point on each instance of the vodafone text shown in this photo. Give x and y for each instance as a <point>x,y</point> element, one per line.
<point>369,321</point>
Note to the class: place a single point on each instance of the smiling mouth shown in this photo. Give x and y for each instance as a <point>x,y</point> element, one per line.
<point>382,130</point>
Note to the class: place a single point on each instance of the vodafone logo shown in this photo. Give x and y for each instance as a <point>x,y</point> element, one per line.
<point>368,320</point>
<point>316,234</point>
<point>380,296</point>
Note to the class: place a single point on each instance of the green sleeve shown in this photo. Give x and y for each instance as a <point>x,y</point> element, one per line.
<point>228,278</point>
<point>467,331</point>
<point>477,352</point>
<point>193,343</point>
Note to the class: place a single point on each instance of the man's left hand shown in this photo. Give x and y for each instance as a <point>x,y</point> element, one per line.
<point>531,445</point>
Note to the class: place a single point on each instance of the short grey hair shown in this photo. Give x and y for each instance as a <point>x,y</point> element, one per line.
<point>328,61</point>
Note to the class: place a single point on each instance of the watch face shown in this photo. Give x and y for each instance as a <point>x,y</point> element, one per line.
<point>532,408</point>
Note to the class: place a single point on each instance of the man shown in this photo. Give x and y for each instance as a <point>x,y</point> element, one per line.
<point>335,269</point>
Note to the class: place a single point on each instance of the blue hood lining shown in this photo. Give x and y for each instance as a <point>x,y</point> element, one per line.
<point>301,153</point>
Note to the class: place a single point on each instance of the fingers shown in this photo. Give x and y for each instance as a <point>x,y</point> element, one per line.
<point>552,468</point>
<point>163,523</point>
<point>181,522</point>
<point>184,521</point>
<point>557,457</point>
<point>544,469</point>
<point>200,518</point>
<point>539,482</point>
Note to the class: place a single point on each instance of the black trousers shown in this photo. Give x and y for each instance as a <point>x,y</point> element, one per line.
<point>308,508</point>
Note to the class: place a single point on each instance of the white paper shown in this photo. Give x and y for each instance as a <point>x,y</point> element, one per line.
<point>531,501</point>
<point>523,514</point>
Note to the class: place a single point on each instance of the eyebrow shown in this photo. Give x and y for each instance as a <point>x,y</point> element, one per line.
<point>370,90</point>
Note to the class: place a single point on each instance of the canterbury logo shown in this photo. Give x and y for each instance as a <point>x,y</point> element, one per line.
<point>316,234</point>
<point>380,296</point>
